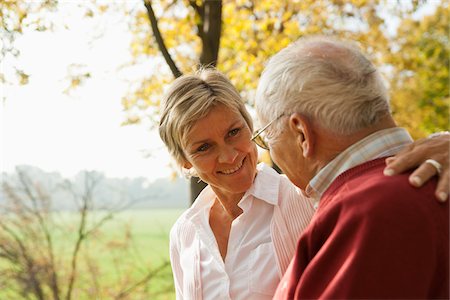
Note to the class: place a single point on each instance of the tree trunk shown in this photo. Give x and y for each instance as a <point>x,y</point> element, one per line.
<point>195,188</point>
<point>211,27</point>
<point>209,32</point>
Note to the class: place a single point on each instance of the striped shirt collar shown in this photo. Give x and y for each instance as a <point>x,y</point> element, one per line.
<point>382,143</point>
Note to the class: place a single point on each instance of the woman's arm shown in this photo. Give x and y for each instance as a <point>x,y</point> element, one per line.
<point>435,147</point>
<point>176,266</point>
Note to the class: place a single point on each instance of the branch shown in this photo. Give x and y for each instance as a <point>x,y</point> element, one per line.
<point>37,205</point>
<point>197,8</point>
<point>285,20</point>
<point>149,276</point>
<point>87,199</point>
<point>30,264</point>
<point>162,46</point>
<point>201,13</point>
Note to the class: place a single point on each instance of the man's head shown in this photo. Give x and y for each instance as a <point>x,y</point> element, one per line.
<point>327,93</point>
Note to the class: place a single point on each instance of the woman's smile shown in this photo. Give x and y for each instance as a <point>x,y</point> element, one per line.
<point>233,170</point>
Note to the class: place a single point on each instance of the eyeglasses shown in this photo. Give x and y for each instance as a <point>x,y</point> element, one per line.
<point>260,138</point>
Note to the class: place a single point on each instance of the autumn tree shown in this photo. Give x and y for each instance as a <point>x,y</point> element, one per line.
<point>420,81</point>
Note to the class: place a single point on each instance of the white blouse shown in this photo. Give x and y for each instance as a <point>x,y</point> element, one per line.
<point>261,243</point>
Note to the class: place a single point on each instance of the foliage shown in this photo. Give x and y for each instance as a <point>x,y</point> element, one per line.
<point>420,85</point>
<point>15,17</point>
<point>18,17</point>
<point>252,31</point>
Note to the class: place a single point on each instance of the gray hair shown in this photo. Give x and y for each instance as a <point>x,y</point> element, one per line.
<point>326,80</point>
<point>189,99</point>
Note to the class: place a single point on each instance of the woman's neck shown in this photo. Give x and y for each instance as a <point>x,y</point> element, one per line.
<point>229,205</point>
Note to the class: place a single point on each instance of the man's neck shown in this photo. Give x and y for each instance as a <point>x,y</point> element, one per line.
<point>381,143</point>
<point>331,144</point>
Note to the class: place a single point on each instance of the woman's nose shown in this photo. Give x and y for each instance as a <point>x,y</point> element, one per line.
<point>227,154</point>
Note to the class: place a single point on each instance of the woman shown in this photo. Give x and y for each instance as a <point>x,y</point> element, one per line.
<point>237,239</point>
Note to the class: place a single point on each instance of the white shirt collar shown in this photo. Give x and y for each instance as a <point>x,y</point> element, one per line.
<point>264,187</point>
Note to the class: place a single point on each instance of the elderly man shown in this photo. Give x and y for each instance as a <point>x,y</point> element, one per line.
<point>329,128</point>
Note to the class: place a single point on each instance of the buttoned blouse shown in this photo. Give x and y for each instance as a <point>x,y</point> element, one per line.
<point>261,243</point>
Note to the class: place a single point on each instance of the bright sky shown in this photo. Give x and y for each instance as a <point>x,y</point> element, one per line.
<point>44,127</point>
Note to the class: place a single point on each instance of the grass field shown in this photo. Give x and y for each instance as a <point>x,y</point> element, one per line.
<point>150,232</point>
<point>119,255</point>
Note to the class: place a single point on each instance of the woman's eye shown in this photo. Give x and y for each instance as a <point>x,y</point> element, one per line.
<point>203,148</point>
<point>234,132</point>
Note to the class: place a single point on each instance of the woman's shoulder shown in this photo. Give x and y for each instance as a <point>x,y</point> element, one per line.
<point>182,229</point>
<point>185,221</point>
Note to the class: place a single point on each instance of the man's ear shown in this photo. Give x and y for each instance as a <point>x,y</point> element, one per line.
<point>303,130</point>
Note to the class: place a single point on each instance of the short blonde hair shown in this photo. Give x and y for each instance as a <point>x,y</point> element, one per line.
<point>190,98</point>
<point>327,80</point>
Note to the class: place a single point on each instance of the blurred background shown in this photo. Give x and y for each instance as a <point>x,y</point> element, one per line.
<point>88,190</point>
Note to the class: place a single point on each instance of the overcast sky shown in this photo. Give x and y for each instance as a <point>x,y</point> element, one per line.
<point>44,127</point>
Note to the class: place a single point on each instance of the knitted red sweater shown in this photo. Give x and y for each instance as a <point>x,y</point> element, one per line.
<point>372,237</point>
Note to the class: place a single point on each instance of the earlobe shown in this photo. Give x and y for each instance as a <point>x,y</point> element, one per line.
<point>187,165</point>
<point>305,146</point>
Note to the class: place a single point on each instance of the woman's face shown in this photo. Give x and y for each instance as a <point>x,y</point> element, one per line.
<point>220,149</point>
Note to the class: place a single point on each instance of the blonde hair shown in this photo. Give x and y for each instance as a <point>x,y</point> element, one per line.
<point>190,98</point>
<point>327,80</point>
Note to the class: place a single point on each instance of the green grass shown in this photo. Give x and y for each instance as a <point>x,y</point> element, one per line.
<point>149,232</point>
<point>149,228</point>
<point>121,253</point>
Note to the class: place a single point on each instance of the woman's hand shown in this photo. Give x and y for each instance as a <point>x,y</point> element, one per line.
<point>436,147</point>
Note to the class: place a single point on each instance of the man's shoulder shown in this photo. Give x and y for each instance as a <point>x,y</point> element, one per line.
<point>376,205</point>
<point>365,188</point>
<point>368,178</point>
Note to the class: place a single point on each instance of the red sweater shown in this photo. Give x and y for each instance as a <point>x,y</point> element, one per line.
<point>372,237</point>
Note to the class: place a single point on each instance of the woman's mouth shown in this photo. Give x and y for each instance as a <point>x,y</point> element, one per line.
<point>234,169</point>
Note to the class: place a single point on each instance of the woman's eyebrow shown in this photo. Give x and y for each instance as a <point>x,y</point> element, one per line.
<point>232,125</point>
